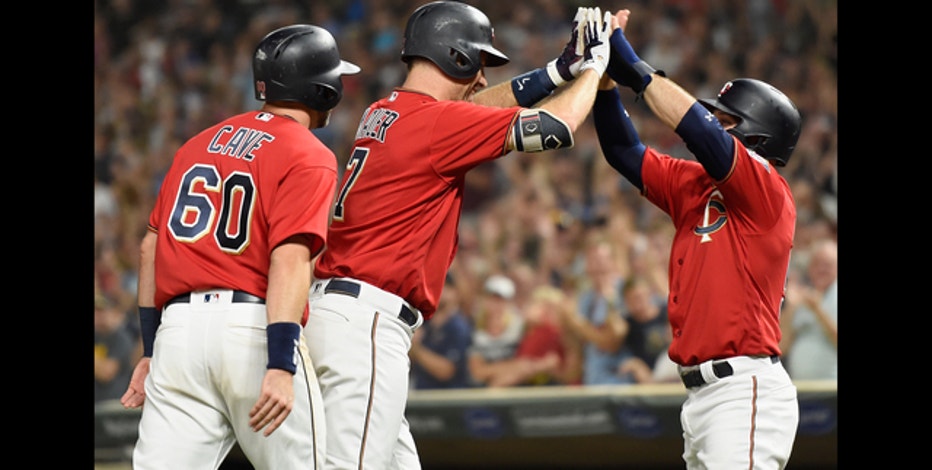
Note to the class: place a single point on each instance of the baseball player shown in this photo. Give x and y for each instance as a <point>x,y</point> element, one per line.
<point>735,220</point>
<point>225,270</point>
<point>397,211</point>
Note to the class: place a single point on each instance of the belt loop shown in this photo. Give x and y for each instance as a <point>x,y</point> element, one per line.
<point>708,375</point>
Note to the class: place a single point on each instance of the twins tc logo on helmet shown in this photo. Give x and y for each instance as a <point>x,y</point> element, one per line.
<point>724,89</point>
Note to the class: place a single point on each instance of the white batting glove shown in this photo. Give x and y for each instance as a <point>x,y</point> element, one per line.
<point>596,35</point>
<point>568,65</point>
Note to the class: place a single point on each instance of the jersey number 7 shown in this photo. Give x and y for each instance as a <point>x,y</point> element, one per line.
<point>353,168</point>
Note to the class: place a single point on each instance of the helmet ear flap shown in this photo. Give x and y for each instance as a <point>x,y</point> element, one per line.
<point>326,96</point>
<point>458,58</point>
<point>463,62</point>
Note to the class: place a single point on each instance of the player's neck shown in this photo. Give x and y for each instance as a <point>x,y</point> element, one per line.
<point>430,80</point>
<point>295,114</point>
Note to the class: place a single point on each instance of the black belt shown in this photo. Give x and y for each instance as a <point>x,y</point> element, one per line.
<point>239,297</point>
<point>721,370</point>
<point>350,288</point>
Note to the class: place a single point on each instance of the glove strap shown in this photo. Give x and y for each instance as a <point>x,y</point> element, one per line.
<point>647,73</point>
<point>553,72</point>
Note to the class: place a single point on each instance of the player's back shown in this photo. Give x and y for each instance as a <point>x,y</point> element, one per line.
<point>396,214</point>
<point>224,200</point>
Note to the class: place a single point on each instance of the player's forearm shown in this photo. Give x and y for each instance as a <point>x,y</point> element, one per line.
<point>149,317</point>
<point>667,100</point>
<point>145,291</point>
<point>289,282</point>
<point>286,301</point>
<point>573,102</point>
<point>499,95</point>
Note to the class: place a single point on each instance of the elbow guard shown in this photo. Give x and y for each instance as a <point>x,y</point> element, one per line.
<point>537,130</point>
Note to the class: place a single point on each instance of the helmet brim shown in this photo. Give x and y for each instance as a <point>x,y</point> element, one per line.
<point>713,104</point>
<point>348,68</point>
<point>494,57</point>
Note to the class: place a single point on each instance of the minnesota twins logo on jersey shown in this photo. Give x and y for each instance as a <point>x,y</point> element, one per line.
<point>713,218</point>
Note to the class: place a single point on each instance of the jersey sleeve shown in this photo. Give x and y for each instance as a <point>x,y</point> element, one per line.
<point>303,197</point>
<point>666,178</point>
<point>465,134</point>
<point>755,188</point>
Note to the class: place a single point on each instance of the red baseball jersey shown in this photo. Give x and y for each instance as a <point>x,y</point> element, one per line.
<point>729,257</point>
<point>396,216</point>
<point>233,193</point>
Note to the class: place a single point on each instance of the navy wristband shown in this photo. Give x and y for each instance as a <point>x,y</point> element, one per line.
<point>531,87</point>
<point>149,320</point>
<point>283,340</point>
<point>626,68</point>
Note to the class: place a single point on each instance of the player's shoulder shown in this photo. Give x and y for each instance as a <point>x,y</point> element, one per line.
<point>423,101</point>
<point>687,167</point>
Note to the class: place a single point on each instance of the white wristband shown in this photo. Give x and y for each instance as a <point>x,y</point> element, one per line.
<point>554,74</point>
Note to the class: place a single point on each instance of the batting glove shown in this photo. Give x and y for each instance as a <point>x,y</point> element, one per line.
<point>568,65</point>
<point>597,32</point>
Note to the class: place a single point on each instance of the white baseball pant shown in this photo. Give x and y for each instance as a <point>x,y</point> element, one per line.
<point>358,340</point>
<point>746,419</point>
<point>206,372</point>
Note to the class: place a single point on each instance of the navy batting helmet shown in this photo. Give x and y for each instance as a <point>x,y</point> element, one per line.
<point>300,63</point>
<point>452,35</point>
<point>770,122</point>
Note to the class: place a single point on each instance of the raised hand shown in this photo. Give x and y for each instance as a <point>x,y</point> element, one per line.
<point>567,66</point>
<point>596,35</point>
<point>625,67</point>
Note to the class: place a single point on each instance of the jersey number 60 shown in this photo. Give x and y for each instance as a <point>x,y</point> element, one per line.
<point>193,213</point>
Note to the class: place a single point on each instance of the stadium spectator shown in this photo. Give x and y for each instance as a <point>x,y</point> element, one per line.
<point>545,355</point>
<point>809,318</point>
<point>648,337</point>
<point>115,349</point>
<point>498,329</point>
<point>597,320</point>
<point>439,347</point>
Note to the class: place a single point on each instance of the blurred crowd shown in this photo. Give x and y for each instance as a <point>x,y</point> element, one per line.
<point>561,270</point>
